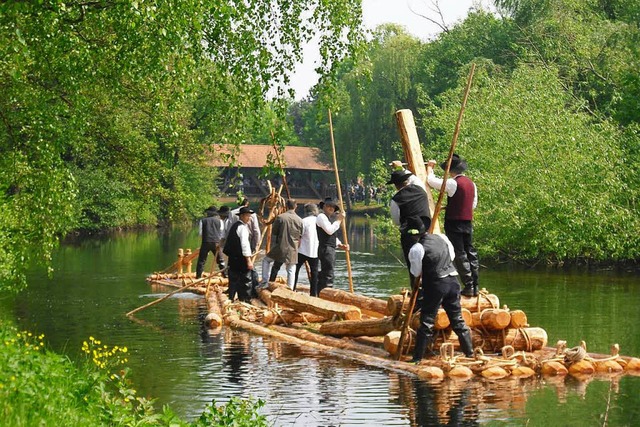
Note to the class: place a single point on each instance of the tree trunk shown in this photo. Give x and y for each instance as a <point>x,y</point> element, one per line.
<point>371,306</point>
<point>307,304</point>
<point>356,328</point>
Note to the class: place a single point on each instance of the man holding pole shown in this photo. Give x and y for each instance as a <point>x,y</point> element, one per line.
<point>431,257</point>
<point>238,248</point>
<point>328,223</point>
<point>462,198</point>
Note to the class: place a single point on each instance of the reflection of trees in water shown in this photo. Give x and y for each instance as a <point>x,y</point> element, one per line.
<point>361,237</point>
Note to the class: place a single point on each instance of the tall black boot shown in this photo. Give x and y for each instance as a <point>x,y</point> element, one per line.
<point>466,345</point>
<point>468,290</point>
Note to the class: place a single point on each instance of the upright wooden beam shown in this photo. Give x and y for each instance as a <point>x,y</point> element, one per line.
<point>413,155</point>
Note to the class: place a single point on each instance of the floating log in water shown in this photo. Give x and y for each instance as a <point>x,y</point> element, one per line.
<point>474,304</point>
<point>307,304</point>
<point>273,317</point>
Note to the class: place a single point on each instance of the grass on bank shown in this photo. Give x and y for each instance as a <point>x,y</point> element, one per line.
<point>40,387</point>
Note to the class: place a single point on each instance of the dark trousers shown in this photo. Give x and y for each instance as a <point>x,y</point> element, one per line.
<point>327,258</point>
<point>205,248</point>
<point>313,271</point>
<point>239,284</point>
<point>460,233</point>
<point>445,292</point>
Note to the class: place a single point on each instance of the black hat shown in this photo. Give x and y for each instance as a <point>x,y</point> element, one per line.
<point>458,164</point>
<point>211,210</point>
<point>415,226</point>
<point>329,202</point>
<point>224,210</point>
<point>244,210</point>
<point>398,177</point>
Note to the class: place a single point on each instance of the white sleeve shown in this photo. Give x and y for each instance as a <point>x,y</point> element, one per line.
<point>416,253</point>
<point>475,195</point>
<point>243,234</point>
<point>200,228</point>
<point>328,227</point>
<point>436,184</point>
<point>413,179</point>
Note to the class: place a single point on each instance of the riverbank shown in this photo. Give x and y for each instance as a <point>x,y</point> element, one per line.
<point>40,387</point>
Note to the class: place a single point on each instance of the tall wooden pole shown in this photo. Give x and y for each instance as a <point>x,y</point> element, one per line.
<point>344,222</point>
<point>436,212</point>
<point>284,173</point>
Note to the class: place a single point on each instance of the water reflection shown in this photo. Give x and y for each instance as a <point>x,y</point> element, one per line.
<point>179,362</point>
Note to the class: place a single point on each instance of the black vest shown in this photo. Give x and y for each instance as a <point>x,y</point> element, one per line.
<point>233,247</point>
<point>211,229</point>
<point>324,239</point>
<point>413,202</point>
<point>436,262</point>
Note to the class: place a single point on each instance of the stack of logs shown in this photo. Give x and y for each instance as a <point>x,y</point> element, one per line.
<point>375,321</point>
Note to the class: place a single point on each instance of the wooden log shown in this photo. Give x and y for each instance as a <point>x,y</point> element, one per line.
<point>270,317</point>
<point>308,304</point>
<point>366,304</point>
<point>491,318</point>
<point>345,344</point>
<point>265,296</point>
<point>441,321</point>
<point>214,316</point>
<point>357,328</point>
<point>466,316</point>
<point>525,339</point>
<point>479,303</point>
<point>423,372</point>
<point>518,319</point>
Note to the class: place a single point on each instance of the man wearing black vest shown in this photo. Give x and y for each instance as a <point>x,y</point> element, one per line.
<point>462,198</point>
<point>327,225</point>
<point>211,229</point>
<point>409,202</point>
<point>431,257</point>
<point>238,248</point>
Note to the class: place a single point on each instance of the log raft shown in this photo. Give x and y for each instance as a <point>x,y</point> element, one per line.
<point>366,329</point>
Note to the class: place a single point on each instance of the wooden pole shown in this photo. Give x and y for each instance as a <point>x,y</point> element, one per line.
<point>159,300</point>
<point>436,212</point>
<point>344,222</point>
<point>284,175</point>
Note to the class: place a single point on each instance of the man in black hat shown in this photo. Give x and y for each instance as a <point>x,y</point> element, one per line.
<point>462,199</point>
<point>211,229</point>
<point>238,248</point>
<point>409,202</point>
<point>430,258</point>
<point>327,225</point>
<point>254,225</point>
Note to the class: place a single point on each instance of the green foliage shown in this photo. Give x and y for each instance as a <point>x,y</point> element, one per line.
<point>236,413</point>
<point>548,176</point>
<point>38,387</point>
<point>110,110</point>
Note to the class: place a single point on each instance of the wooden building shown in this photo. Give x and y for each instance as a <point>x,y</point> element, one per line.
<point>308,176</point>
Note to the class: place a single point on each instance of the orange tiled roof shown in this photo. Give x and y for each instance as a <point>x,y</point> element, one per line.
<point>255,156</point>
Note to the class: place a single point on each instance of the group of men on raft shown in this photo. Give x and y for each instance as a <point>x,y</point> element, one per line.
<point>436,262</point>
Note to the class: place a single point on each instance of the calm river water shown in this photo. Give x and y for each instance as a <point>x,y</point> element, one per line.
<point>179,363</point>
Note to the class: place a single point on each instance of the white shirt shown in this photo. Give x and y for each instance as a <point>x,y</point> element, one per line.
<point>243,233</point>
<point>416,253</point>
<point>451,186</point>
<point>309,239</point>
<point>323,222</point>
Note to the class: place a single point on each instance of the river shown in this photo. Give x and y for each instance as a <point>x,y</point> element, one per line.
<point>176,361</point>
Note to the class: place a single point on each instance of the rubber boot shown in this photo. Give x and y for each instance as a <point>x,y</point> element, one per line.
<point>466,345</point>
<point>420,349</point>
<point>468,290</point>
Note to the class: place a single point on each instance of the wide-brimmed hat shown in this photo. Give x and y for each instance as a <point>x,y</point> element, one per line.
<point>244,210</point>
<point>211,210</point>
<point>458,164</point>
<point>329,202</point>
<point>399,176</point>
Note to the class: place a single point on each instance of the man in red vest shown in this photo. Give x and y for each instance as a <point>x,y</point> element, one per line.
<point>462,198</point>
